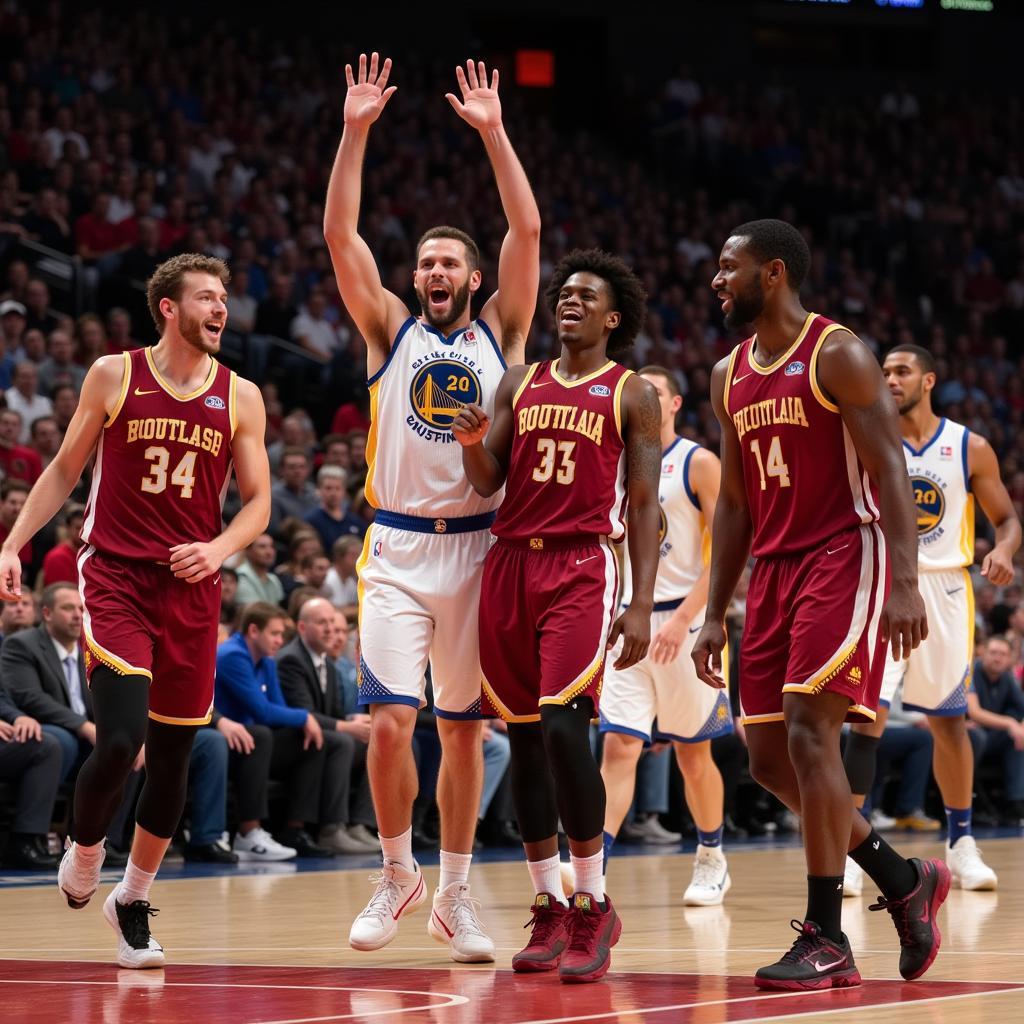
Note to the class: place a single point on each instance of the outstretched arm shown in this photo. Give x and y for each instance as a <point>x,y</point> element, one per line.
<point>996,503</point>
<point>195,561</point>
<point>642,425</point>
<point>100,393</point>
<point>730,544</point>
<point>511,307</point>
<point>377,312</point>
<point>486,465</point>
<point>849,373</point>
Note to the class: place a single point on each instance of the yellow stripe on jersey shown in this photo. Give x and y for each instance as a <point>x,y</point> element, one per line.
<point>967,531</point>
<point>233,402</point>
<point>371,444</point>
<point>126,379</point>
<point>582,380</point>
<point>364,557</point>
<point>705,546</point>
<point>181,396</point>
<point>785,357</point>
<point>729,370</point>
<point>530,371</point>
<point>812,373</point>
<point>969,590</point>
<point>617,402</point>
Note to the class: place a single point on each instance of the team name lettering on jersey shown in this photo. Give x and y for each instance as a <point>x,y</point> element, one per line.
<point>562,417</point>
<point>769,412</point>
<point>161,428</point>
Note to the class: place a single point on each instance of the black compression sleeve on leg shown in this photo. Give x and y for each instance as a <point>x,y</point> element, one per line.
<point>578,783</point>
<point>121,708</point>
<point>533,790</point>
<point>859,762</point>
<point>168,749</point>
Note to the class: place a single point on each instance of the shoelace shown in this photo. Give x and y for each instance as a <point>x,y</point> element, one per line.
<point>543,921</point>
<point>803,944</point>
<point>384,896</point>
<point>463,914</point>
<point>582,927</point>
<point>898,911</point>
<point>134,921</point>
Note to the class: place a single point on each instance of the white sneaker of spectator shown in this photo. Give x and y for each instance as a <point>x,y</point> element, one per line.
<point>364,835</point>
<point>397,892</point>
<point>710,880</point>
<point>969,871</point>
<point>260,845</point>
<point>881,821</point>
<point>454,921</point>
<point>650,830</point>
<point>78,882</point>
<point>339,838</point>
<point>853,879</point>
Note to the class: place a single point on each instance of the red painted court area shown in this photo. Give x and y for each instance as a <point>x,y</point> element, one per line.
<point>218,994</point>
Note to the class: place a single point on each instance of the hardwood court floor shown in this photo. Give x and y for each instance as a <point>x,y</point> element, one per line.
<point>271,947</point>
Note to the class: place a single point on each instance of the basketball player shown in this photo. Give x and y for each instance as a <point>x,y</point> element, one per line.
<point>167,424</point>
<point>664,685</point>
<point>809,436</point>
<point>578,458</point>
<point>419,572</point>
<point>949,467</point>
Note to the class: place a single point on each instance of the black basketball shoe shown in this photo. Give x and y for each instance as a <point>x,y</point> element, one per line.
<point>813,962</point>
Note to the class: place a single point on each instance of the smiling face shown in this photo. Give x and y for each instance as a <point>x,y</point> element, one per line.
<point>738,284</point>
<point>444,282</point>
<point>201,313</point>
<point>585,312</point>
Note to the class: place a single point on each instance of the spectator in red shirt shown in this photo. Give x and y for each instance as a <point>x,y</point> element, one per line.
<point>61,562</point>
<point>16,461</point>
<point>95,235</point>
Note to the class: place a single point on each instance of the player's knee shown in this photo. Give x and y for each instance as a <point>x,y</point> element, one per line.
<point>391,727</point>
<point>807,746</point>
<point>117,749</point>
<point>694,760</point>
<point>620,750</point>
<point>951,729</point>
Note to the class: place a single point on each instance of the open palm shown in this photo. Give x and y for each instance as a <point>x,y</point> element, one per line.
<point>479,105</point>
<point>368,96</point>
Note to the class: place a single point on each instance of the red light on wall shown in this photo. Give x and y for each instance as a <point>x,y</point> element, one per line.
<point>535,68</point>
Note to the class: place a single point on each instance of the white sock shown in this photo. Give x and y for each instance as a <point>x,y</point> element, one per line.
<point>399,849</point>
<point>454,868</point>
<point>135,885</point>
<point>89,856</point>
<point>547,877</point>
<point>589,874</point>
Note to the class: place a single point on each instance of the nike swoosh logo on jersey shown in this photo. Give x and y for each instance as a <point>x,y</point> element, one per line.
<point>140,393</point>
<point>736,380</point>
<point>955,590</point>
<point>542,384</point>
<point>835,551</point>
<point>819,967</point>
<point>580,561</point>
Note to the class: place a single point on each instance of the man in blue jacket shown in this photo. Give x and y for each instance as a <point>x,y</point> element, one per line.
<point>248,691</point>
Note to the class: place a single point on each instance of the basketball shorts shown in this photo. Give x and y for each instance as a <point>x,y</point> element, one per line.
<point>812,626</point>
<point>544,623</point>
<point>139,619</point>
<point>418,600</point>
<point>936,675</point>
<point>686,709</point>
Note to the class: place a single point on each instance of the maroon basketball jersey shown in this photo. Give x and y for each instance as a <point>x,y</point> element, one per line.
<point>162,463</point>
<point>803,478</point>
<point>567,471</point>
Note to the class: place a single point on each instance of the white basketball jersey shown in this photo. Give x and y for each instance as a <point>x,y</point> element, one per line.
<point>945,505</point>
<point>414,460</point>
<point>684,542</point>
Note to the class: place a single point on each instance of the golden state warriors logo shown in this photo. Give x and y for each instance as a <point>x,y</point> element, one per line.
<point>930,501</point>
<point>662,524</point>
<point>440,389</point>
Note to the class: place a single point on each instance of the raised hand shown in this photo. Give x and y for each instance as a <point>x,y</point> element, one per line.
<point>366,98</point>
<point>479,105</point>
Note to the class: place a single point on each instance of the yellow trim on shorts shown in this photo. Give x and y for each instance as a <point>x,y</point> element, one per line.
<point>126,380</point>
<point>361,561</point>
<point>812,372</point>
<point>371,445</point>
<point>531,371</point>
<point>503,712</point>
<point>112,661</point>
<point>617,401</point>
<point>969,588</point>
<point>861,709</point>
<point>775,716</point>
<point>181,721</point>
<point>819,679</point>
<point>728,375</point>
<point>579,684</point>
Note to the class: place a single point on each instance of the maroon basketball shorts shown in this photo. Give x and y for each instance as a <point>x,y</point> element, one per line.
<point>139,619</point>
<point>544,622</point>
<point>812,625</point>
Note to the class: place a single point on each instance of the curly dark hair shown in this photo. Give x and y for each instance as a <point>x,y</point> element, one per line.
<point>629,298</point>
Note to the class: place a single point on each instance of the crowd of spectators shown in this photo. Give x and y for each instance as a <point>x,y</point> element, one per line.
<point>119,147</point>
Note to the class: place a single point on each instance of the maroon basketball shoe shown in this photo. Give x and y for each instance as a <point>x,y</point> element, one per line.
<point>813,962</point>
<point>592,933</point>
<point>548,937</point>
<point>916,916</point>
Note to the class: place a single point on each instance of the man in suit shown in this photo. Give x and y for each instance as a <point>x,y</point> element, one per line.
<point>309,680</point>
<point>30,760</point>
